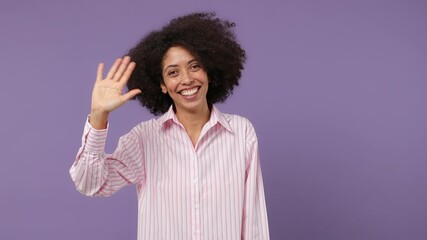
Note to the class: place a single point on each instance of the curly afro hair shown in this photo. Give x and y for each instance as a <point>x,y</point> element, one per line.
<point>208,38</point>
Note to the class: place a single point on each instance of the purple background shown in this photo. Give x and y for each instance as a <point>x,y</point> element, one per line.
<point>335,89</point>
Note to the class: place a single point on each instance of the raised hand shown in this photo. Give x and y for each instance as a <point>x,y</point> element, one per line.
<point>107,93</point>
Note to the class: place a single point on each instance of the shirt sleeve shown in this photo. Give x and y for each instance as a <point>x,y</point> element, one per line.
<point>255,222</point>
<point>96,173</point>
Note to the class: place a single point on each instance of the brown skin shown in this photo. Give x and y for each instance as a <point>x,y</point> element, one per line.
<point>209,38</point>
<point>107,93</point>
<point>181,71</point>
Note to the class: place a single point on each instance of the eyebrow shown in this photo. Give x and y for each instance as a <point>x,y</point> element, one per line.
<point>176,65</point>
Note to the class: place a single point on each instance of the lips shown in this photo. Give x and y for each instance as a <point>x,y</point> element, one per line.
<point>189,92</point>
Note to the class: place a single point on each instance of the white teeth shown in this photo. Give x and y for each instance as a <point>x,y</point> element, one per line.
<point>189,92</point>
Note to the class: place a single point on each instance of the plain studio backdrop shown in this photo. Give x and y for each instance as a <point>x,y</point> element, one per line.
<point>336,90</point>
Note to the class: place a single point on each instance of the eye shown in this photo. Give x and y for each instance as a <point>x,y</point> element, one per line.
<point>195,67</point>
<point>172,73</point>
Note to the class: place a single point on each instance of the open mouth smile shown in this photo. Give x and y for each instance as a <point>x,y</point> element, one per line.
<point>189,92</point>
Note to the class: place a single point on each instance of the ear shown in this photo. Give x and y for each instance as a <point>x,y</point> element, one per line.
<point>163,87</point>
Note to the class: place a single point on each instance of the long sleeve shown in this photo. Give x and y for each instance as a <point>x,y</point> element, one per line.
<point>98,174</point>
<point>255,222</point>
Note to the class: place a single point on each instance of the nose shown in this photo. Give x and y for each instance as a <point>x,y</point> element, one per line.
<point>186,78</point>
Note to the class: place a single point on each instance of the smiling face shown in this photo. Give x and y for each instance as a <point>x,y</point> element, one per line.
<point>185,80</point>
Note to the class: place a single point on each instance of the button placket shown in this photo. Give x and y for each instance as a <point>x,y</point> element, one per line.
<point>196,199</point>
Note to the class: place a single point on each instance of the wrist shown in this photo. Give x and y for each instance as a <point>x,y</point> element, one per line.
<point>98,120</point>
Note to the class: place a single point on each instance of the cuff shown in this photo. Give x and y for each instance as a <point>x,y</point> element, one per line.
<point>94,139</point>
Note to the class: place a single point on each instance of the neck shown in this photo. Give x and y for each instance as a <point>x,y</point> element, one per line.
<point>194,120</point>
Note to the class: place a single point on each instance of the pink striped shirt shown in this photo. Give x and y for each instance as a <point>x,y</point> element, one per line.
<point>213,190</point>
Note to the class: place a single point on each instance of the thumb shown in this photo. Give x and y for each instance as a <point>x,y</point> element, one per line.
<point>132,93</point>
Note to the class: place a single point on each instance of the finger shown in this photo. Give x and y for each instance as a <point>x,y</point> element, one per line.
<point>99,72</point>
<point>124,64</point>
<point>131,94</point>
<point>126,75</point>
<point>113,69</point>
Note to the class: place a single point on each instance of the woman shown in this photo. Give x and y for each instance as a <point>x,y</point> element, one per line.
<point>196,169</point>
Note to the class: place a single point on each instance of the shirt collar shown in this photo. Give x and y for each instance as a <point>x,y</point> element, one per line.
<point>216,117</point>
<point>169,115</point>
<point>219,117</point>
